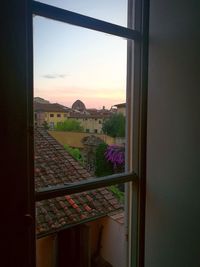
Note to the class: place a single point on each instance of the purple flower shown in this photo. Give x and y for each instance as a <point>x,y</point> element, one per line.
<point>115,154</point>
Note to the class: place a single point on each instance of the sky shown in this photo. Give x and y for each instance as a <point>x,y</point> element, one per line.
<point>73,63</point>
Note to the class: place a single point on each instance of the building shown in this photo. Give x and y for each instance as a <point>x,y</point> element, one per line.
<point>91,123</point>
<point>52,113</point>
<point>78,106</point>
<point>121,108</point>
<point>49,113</point>
<point>90,119</point>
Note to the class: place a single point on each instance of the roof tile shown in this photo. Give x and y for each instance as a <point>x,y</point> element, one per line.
<point>54,166</point>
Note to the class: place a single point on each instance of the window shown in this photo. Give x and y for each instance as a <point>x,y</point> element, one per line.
<point>51,115</point>
<point>37,8</point>
<point>58,115</point>
<point>126,173</point>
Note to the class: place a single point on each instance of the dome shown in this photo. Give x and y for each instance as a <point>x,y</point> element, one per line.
<point>79,105</point>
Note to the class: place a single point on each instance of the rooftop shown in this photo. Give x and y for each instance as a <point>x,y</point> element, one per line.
<point>54,166</point>
<point>121,105</point>
<point>48,107</point>
<point>97,115</point>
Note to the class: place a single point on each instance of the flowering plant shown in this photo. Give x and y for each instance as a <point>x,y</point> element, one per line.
<point>116,155</point>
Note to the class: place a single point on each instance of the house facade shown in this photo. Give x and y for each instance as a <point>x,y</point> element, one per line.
<point>91,123</point>
<point>49,114</point>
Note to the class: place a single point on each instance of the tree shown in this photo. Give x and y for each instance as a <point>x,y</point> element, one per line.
<point>102,166</point>
<point>69,125</point>
<point>115,125</point>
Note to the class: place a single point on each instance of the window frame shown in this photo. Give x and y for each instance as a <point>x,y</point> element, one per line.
<point>136,104</point>
<point>83,21</point>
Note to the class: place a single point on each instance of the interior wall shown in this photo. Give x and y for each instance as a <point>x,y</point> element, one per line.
<point>112,250</point>
<point>173,158</point>
<point>46,251</point>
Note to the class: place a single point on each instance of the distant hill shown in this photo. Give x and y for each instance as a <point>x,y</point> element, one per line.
<point>41,100</point>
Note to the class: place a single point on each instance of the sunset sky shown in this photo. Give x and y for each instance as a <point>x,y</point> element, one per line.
<point>73,63</point>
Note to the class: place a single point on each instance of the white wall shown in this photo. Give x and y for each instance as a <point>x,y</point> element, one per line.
<point>113,241</point>
<point>173,151</point>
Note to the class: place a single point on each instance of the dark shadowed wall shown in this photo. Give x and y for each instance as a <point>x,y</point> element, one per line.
<point>173,150</point>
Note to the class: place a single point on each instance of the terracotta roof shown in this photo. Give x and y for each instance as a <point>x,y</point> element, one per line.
<point>93,111</point>
<point>54,166</point>
<point>118,217</point>
<point>96,115</point>
<point>55,107</point>
<point>122,105</point>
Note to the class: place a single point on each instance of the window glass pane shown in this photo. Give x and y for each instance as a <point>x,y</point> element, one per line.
<point>114,11</point>
<point>81,229</point>
<point>79,103</point>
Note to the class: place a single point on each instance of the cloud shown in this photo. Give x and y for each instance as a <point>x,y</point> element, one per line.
<point>54,76</point>
<point>61,75</point>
